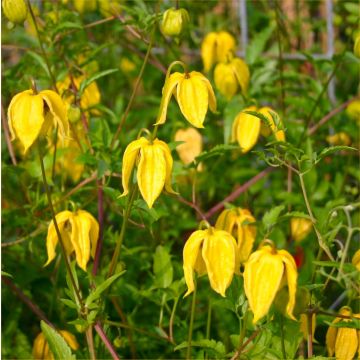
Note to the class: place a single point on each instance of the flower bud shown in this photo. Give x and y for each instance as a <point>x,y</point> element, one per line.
<point>300,228</point>
<point>174,22</point>
<point>15,10</point>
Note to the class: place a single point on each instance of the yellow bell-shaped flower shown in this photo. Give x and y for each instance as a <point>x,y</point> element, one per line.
<point>41,350</point>
<point>353,110</point>
<point>343,342</point>
<point>194,95</point>
<point>356,259</point>
<point>270,126</point>
<point>192,146</point>
<point>31,115</point>
<point>246,129</point>
<point>340,138</point>
<point>215,48</point>
<point>79,232</point>
<point>265,272</point>
<point>153,169</point>
<point>214,252</point>
<point>300,228</point>
<point>235,221</point>
<point>174,21</point>
<point>230,76</point>
<point>15,10</point>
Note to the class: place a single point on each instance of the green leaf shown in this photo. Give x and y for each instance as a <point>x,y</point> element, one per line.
<point>66,25</point>
<point>330,150</point>
<point>298,214</point>
<point>206,344</point>
<point>3,273</point>
<point>271,216</point>
<point>69,303</point>
<point>101,288</point>
<point>218,150</point>
<point>163,268</point>
<point>57,343</point>
<point>40,60</point>
<point>257,45</point>
<point>96,76</point>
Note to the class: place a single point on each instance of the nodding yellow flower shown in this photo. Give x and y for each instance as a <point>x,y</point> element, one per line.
<point>300,228</point>
<point>230,76</point>
<point>212,252</point>
<point>174,21</point>
<point>232,221</point>
<point>340,138</point>
<point>271,127</point>
<point>192,146</point>
<point>153,169</point>
<point>31,115</point>
<point>265,272</point>
<point>194,95</point>
<point>15,10</point>
<point>343,342</point>
<point>353,110</point>
<point>356,259</point>
<point>41,348</point>
<point>304,325</point>
<point>215,48</point>
<point>246,129</point>
<point>79,232</point>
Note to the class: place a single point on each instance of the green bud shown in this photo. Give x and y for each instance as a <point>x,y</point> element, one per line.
<point>15,10</point>
<point>73,114</point>
<point>174,22</point>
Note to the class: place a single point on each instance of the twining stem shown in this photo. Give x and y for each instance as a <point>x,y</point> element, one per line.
<point>48,194</point>
<point>54,154</point>
<point>192,314</point>
<point>90,341</point>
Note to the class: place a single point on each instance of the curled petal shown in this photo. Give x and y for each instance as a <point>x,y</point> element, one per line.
<point>226,221</point>
<point>246,236</point>
<point>241,72</point>
<point>94,230</point>
<point>212,97</point>
<point>225,43</point>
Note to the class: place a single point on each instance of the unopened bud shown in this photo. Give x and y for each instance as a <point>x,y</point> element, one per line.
<point>174,22</point>
<point>15,10</point>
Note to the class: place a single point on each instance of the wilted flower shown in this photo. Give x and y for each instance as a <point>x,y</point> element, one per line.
<point>228,76</point>
<point>194,95</point>
<point>340,138</point>
<point>353,110</point>
<point>246,129</point>
<point>41,348</point>
<point>154,168</point>
<point>15,10</point>
<point>174,21</point>
<point>300,228</point>
<point>216,47</point>
<point>236,222</point>
<point>31,115</point>
<point>79,232</point>
<point>192,145</point>
<point>356,259</point>
<point>342,341</point>
<point>212,252</point>
<point>271,126</point>
<point>265,272</point>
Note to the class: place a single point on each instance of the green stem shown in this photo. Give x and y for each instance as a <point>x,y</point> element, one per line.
<point>90,342</point>
<point>193,303</point>
<point>208,326</point>
<point>171,321</point>
<point>282,337</point>
<point>310,335</point>
<point>243,329</point>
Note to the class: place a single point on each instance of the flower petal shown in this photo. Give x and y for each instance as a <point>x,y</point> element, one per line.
<point>225,43</point>
<point>225,80</point>
<point>346,344</point>
<point>208,50</point>
<point>94,230</point>
<point>242,73</point>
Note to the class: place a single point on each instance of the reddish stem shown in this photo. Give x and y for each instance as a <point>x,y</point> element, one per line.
<point>106,341</point>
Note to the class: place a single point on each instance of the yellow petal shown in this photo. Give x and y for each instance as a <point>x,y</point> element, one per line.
<point>219,253</point>
<point>212,97</point>
<point>151,173</point>
<point>70,339</point>
<point>94,230</point>
<point>356,259</point>
<point>346,344</point>
<point>190,254</point>
<point>225,80</point>
<point>208,50</point>
<point>246,235</point>
<point>331,339</point>
<point>266,129</point>
<point>225,44</point>
<point>129,158</point>
<point>170,84</point>
<point>241,72</point>
<point>193,99</point>
<point>41,348</point>
<point>234,129</point>
<point>300,228</point>
<point>226,220</point>
<point>192,146</point>
<point>262,276</point>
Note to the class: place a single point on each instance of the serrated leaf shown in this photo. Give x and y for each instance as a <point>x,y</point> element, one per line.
<point>57,343</point>
<point>206,344</point>
<point>163,269</point>
<point>96,76</point>
<point>271,216</point>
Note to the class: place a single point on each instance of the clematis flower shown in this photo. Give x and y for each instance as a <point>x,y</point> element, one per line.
<point>192,145</point>
<point>31,115</point>
<point>194,95</point>
<point>174,21</point>
<point>231,220</point>
<point>212,252</point>
<point>79,231</point>
<point>270,127</point>
<point>215,48</point>
<point>15,10</point>
<point>342,341</point>
<point>246,129</point>
<point>41,348</point>
<point>341,138</point>
<point>300,228</point>
<point>230,76</point>
<point>153,170</point>
<point>265,272</point>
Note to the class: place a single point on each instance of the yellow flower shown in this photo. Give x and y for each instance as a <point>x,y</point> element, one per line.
<point>343,342</point>
<point>174,21</point>
<point>15,10</point>
<point>194,95</point>
<point>192,146</point>
<point>41,348</point>
<point>109,7</point>
<point>154,168</point>
<point>340,138</point>
<point>214,252</point>
<point>84,5</point>
<point>216,47</point>
<point>356,259</point>
<point>31,115</point>
<point>265,271</point>
<point>79,232</point>
<point>271,127</point>
<point>353,110</point>
<point>246,129</point>
<point>304,325</point>
<point>300,228</point>
<point>231,220</point>
<point>230,75</point>
<point>126,65</point>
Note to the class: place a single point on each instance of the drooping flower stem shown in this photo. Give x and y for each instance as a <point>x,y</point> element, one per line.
<point>243,329</point>
<point>192,314</point>
<point>48,194</point>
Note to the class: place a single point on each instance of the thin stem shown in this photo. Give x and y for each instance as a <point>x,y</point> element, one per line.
<point>246,343</point>
<point>282,337</point>
<point>171,321</point>
<point>99,244</point>
<point>193,304</point>
<point>243,329</point>
<point>106,341</point>
<point>310,335</point>
<point>7,136</point>
<point>90,342</point>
